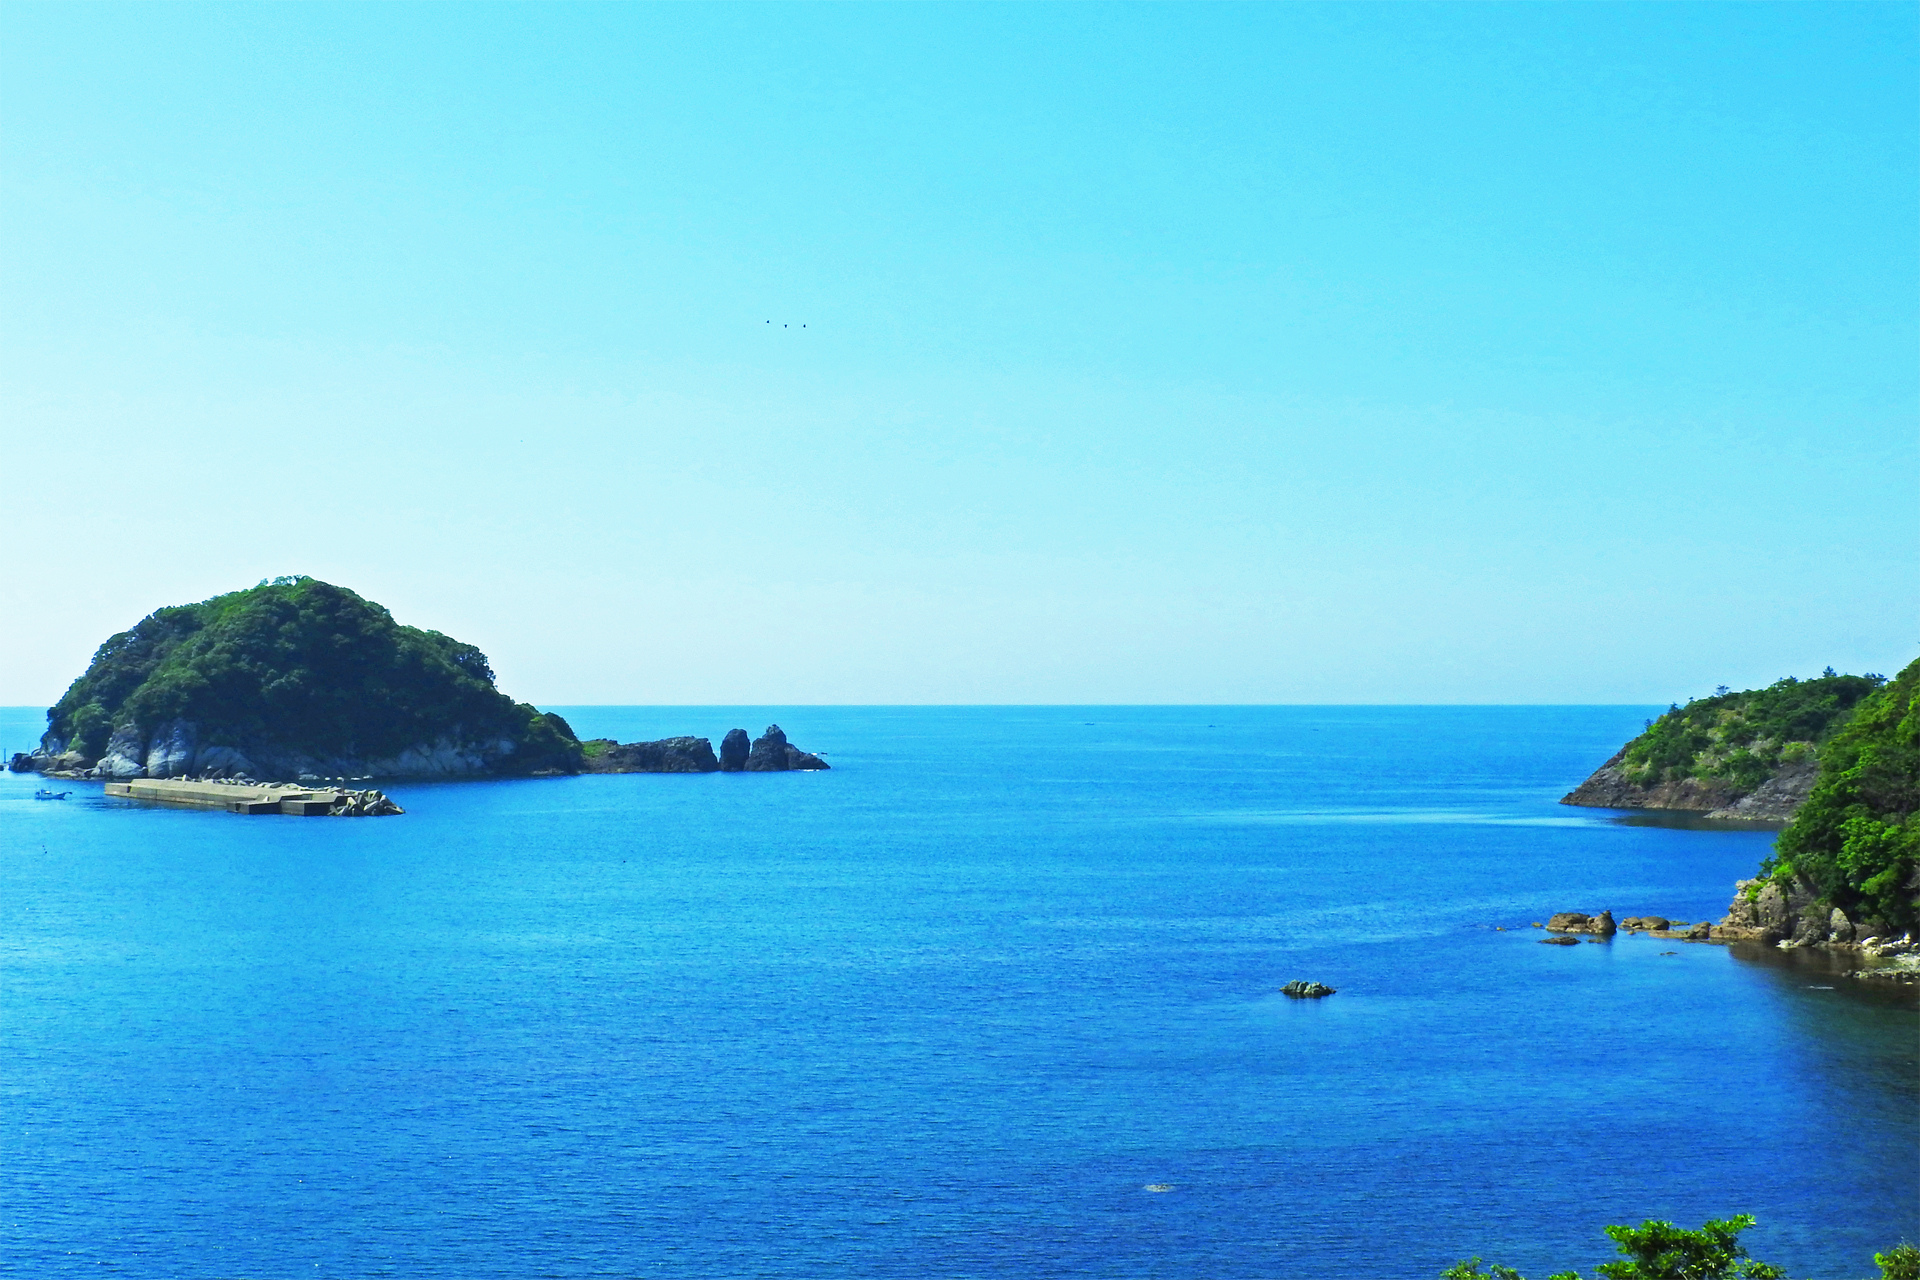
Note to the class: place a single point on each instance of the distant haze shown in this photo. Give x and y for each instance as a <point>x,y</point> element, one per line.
<point>1150,354</point>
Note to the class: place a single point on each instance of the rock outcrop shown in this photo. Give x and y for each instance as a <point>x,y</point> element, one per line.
<point>772,753</point>
<point>1767,912</point>
<point>1306,990</point>
<point>1601,925</point>
<point>667,755</point>
<point>1608,787</point>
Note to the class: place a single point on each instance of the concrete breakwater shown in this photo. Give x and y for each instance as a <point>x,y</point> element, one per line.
<point>299,802</point>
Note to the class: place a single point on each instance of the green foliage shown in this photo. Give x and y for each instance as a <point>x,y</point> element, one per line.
<point>1902,1262</point>
<point>297,664</point>
<point>1470,1270</point>
<point>1657,1250</point>
<point>1741,738</point>
<point>1857,838</point>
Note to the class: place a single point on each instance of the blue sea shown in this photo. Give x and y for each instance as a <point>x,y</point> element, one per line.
<point>998,996</point>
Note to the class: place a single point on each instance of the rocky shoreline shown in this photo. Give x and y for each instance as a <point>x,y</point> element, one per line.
<point>172,752</point>
<point>1762,914</point>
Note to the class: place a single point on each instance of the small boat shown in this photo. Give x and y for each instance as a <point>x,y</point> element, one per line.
<point>44,794</point>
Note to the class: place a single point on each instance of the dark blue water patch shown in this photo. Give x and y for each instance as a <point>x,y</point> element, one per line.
<point>950,1009</point>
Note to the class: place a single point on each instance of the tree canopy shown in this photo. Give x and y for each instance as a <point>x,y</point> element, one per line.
<point>1658,1250</point>
<point>1741,738</point>
<point>1857,837</point>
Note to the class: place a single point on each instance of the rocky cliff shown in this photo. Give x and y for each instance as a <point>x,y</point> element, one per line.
<point>292,678</point>
<point>666,755</point>
<point>1774,799</point>
<point>1752,754</point>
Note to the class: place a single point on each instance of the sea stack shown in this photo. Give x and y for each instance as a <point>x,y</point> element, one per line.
<point>772,753</point>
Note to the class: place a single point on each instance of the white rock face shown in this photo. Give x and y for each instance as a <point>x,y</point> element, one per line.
<point>170,753</point>
<point>125,756</point>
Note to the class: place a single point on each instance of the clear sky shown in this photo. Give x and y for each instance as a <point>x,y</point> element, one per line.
<point>1397,353</point>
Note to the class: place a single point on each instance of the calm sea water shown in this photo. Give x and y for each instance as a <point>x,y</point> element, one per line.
<point>950,1010</point>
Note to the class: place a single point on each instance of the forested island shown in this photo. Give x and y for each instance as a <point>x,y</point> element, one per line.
<point>298,678</point>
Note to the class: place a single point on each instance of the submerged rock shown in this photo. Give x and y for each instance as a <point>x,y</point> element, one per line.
<point>1560,940</point>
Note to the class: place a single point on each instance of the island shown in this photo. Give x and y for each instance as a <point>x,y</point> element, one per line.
<point>299,679</point>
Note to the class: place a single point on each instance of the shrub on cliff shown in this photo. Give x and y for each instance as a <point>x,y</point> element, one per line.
<point>298,665</point>
<point>1857,838</point>
<point>1741,738</point>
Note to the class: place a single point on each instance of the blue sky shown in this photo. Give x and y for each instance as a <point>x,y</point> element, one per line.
<point>1397,353</point>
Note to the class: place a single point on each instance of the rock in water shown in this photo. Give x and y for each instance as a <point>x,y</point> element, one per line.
<point>1581,922</point>
<point>1306,990</point>
<point>733,751</point>
<point>769,754</point>
<point>798,759</point>
<point>667,755</point>
<point>1560,940</point>
<point>772,753</point>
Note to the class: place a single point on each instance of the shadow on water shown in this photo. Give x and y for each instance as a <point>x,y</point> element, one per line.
<point>1689,820</point>
<point>1815,968</point>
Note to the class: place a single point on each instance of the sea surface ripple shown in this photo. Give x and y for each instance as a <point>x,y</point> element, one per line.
<point>995,997</point>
